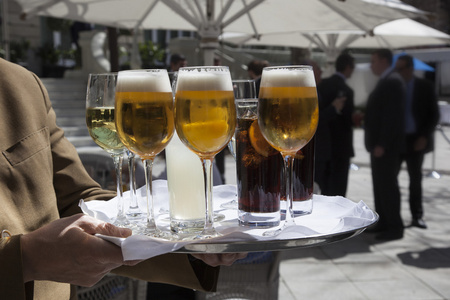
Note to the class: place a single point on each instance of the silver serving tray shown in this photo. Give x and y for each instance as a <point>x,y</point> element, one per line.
<point>274,245</point>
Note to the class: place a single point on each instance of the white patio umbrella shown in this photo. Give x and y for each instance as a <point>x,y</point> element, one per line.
<point>402,33</point>
<point>397,34</point>
<point>211,18</point>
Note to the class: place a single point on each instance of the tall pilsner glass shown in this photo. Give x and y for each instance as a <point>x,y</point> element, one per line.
<point>145,122</point>
<point>205,121</point>
<point>288,115</point>
<point>100,99</point>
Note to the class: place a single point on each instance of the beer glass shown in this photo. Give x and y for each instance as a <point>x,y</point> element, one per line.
<point>100,99</point>
<point>205,119</point>
<point>288,115</point>
<point>145,124</point>
<point>133,213</point>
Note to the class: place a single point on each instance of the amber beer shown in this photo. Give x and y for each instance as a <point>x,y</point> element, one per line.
<point>144,118</point>
<point>205,112</point>
<point>203,120</point>
<point>290,116</point>
<point>259,168</point>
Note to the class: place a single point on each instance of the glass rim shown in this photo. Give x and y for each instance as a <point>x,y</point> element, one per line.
<point>289,67</point>
<point>104,74</point>
<point>246,100</point>
<point>211,68</point>
<point>243,80</point>
<point>143,71</point>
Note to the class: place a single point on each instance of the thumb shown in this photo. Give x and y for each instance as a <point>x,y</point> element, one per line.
<point>111,230</point>
<point>92,226</point>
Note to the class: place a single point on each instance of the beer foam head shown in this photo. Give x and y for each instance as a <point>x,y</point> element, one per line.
<point>289,76</point>
<point>156,80</point>
<point>204,78</point>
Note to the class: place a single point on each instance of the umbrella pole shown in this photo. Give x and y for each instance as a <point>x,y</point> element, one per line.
<point>208,52</point>
<point>113,49</point>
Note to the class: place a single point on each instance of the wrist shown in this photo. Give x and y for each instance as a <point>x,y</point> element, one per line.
<point>27,260</point>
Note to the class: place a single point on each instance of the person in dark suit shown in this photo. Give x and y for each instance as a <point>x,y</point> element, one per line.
<point>384,139</point>
<point>421,118</point>
<point>334,138</point>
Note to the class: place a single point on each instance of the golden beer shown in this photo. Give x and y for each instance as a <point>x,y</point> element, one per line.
<point>205,120</point>
<point>102,128</point>
<point>288,116</point>
<point>144,121</point>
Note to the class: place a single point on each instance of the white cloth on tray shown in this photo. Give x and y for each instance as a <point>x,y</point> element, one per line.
<point>330,215</point>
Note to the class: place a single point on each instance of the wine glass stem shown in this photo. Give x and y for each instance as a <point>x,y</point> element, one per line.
<point>207,164</point>
<point>148,166</point>
<point>288,170</point>
<point>118,161</point>
<point>132,171</point>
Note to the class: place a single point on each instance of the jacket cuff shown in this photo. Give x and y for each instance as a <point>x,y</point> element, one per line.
<point>11,272</point>
<point>176,269</point>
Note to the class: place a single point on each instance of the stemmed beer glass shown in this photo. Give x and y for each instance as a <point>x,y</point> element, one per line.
<point>145,123</point>
<point>133,213</point>
<point>100,99</point>
<point>288,115</point>
<point>205,119</point>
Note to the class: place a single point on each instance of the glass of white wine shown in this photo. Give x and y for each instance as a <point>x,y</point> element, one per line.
<point>100,120</point>
<point>205,119</point>
<point>145,123</point>
<point>288,115</point>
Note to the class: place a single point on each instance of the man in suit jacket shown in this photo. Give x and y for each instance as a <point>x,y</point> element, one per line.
<point>384,139</point>
<point>46,242</point>
<point>421,118</point>
<point>334,137</point>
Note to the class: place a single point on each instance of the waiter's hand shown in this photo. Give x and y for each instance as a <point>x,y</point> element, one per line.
<point>223,259</point>
<point>67,250</point>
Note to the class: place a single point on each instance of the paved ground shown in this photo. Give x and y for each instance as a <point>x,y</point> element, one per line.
<point>416,267</point>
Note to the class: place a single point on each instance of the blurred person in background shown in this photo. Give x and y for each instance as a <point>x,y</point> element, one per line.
<point>421,118</point>
<point>177,61</point>
<point>384,139</point>
<point>336,107</point>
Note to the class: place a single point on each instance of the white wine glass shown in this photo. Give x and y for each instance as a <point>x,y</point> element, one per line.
<point>100,120</point>
<point>145,124</point>
<point>205,119</point>
<point>288,115</point>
